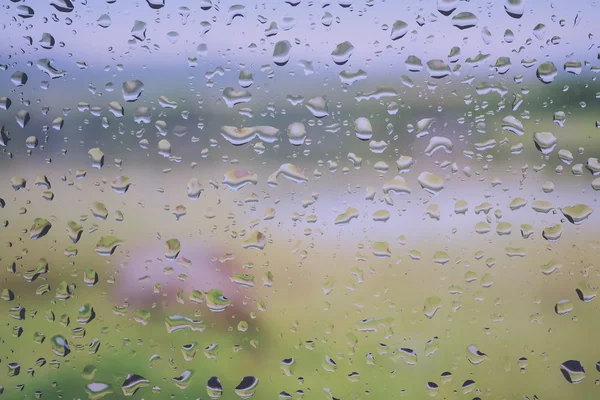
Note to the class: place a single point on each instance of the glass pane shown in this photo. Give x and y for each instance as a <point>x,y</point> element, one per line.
<point>328,199</point>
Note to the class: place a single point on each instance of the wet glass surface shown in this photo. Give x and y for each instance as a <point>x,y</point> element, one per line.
<point>319,199</point>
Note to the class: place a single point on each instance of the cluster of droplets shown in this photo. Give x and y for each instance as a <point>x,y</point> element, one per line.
<point>436,150</point>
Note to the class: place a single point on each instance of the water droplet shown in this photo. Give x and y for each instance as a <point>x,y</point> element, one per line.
<point>172,248</point>
<point>289,171</point>
<point>431,182</point>
<point>318,106</point>
<point>347,216</point>
<point>96,157</point>
<point>176,323</point>
<point>573,371</point>
<point>439,143</point>
<point>447,7</point>
<point>552,233</point>
<point>432,305</point>
<point>399,30</point>
<point>464,20</point>
<point>287,366</point>
<point>342,53</point>
<point>363,128</point>
<point>577,214</point>
<point>121,184</point>
<point>546,72</point>
<point>40,228</point>
<point>184,380</point>
<point>104,21</point>
<point>234,97</point>
<point>514,8</point>
<point>545,141</point>
<point>297,133</point>
<point>237,179</point>
<point>107,245</point>
<point>60,346</point>
<point>214,389</point>
<point>281,52</point>
<point>381,249</point>
<point>438,69</point>
<point>247,387</point>
<point>132,90</point>
<point>22,117</point>
<point>475,356</point>
<point>240,136</point>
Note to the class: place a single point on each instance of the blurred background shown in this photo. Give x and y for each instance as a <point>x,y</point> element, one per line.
<point>432,230</point>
